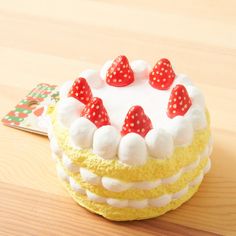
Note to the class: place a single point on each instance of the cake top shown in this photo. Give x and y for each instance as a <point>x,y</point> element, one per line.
<point>133,104</point>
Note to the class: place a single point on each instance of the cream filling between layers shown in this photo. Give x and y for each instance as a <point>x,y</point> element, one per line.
<point>138,204</point>
<point>116,185</point>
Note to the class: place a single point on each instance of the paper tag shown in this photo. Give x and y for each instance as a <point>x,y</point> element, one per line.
<point>29,113</point>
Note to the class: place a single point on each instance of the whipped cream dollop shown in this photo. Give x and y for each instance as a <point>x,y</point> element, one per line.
<point>115,185</point>
<point>181,130</point>
<point>105,142</point>
<point>117,202</point>
<point>81,133</point>
<point>89,176</point>
<point>93,78</point>
<point>132,150</point>
<point>197,116</point>
<point>55,147</point>
<point>141,69</point>
<point>160,143</point>
<point>94,197</point>
<point>69,164</point>
<point>196,96</point>
<point>68,110</point>
<point>182,79</point>
<point>76,186</point>
<point>65,88</point>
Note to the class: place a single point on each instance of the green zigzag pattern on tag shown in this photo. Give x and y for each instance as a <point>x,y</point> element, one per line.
<point>26,105</point>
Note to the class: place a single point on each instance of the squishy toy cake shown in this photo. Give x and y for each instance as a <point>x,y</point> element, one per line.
<point>131,141</point>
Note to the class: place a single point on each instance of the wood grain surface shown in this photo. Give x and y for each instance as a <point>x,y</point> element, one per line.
<point>52,41</point>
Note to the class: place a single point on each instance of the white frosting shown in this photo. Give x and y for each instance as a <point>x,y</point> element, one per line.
<point>146,185</point>
<point>115,185</point>
<point>181,130</point>
<point>196,96</point>
<point>65,88</point>
<point>81,132</point>
<point>68,110</point>
<point>89,176</point>
<point>192,166</point>
<point>93,78</point>
<point>61,173</point>
<point>105,142</point>
<point>197,180</point>
<point>94,197</point>
<point>117,202</point>
<point>141,69</point>
<point>160,201</point>
<point>132,150</point>
<point>182,79</point>
<point>172,179</point>
<point>160,143</point>
<point>104,69</point>
<point>55,147</point>
<point>180,193</point>
<point>69,164</point>
<point>197,116</point>
<point>118,101</point>
<point>76,186</point>
<point>138,204</point>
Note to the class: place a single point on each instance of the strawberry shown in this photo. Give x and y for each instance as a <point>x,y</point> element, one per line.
<point>120,73</point>
<point>162,75</point>
<point>179,101</point>
<point>81,91</point>
<point>96,112</point>
<point>136,121</point>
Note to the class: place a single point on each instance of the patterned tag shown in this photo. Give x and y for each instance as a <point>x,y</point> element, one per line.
<point>30,113</point>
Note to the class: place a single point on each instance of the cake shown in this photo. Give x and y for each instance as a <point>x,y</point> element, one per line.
<point>130,141</point>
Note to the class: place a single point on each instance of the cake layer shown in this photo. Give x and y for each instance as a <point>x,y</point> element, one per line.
<point>153,169</point>
<point>136,210</point>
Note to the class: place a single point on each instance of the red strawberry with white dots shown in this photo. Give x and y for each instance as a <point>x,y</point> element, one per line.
<point>81,91</point>
<point>96,112</point>
<point>120,73</point>
<point>136,121</point>
<point>179,101</point>
<point>162,75</point>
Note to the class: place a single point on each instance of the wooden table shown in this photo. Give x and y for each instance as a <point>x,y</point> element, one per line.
<point>52,41</point>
